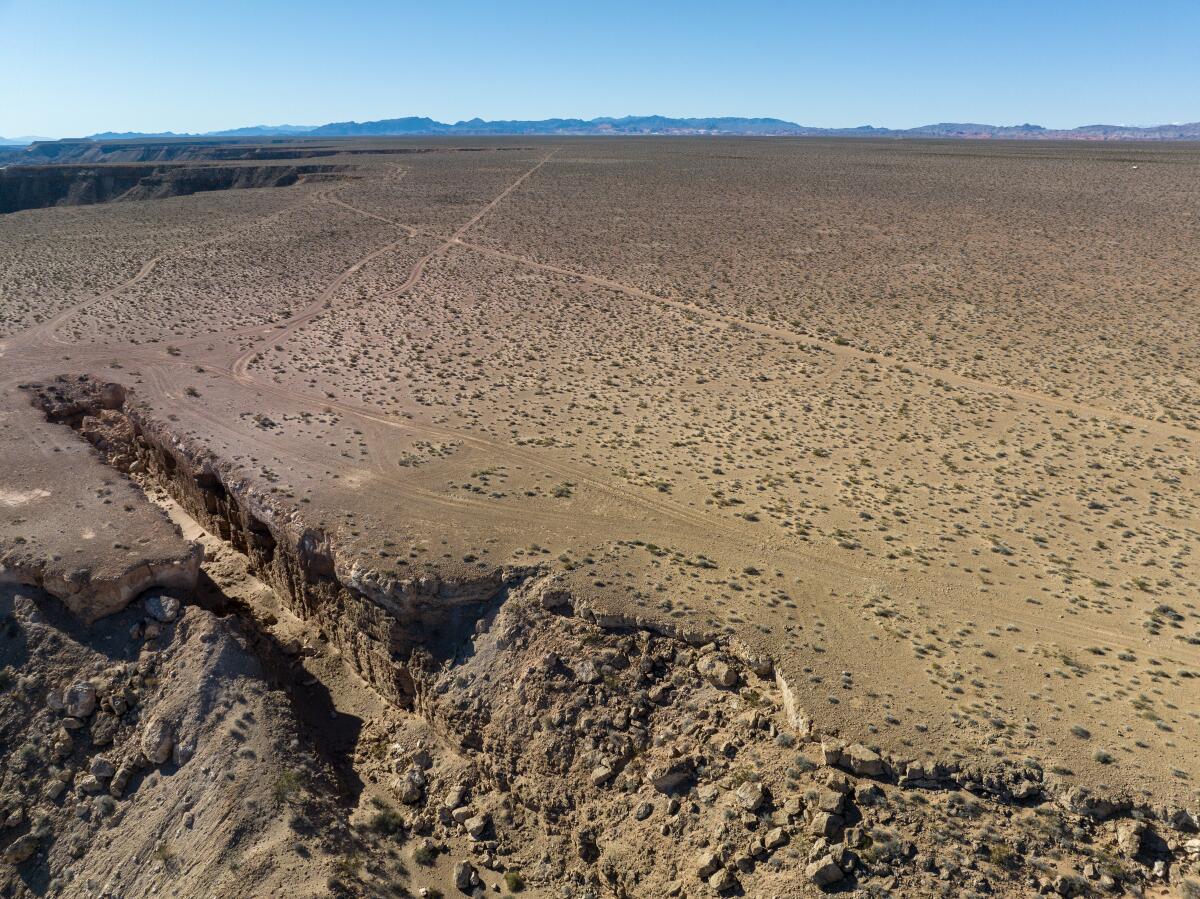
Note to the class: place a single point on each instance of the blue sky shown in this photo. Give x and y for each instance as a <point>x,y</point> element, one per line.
<point>72,67</point>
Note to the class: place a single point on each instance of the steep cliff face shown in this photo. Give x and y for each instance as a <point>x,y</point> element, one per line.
<point>39,186</point>
<point>132,151</point>
<point>552,740</point>
<point>390,633</point>
<point>158,151</point>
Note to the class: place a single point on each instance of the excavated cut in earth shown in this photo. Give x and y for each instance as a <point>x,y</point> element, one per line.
<point>388,631</point>
<point>39,186</point>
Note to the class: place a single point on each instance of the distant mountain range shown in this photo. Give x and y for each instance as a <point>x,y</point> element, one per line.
<point>20,141</point>
<point>413,126</point>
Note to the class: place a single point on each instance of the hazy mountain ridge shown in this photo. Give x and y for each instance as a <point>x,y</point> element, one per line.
<point>666,125</point>
<point>21,141</point>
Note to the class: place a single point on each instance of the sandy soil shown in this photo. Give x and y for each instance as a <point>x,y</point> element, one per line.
<point>917,423</point>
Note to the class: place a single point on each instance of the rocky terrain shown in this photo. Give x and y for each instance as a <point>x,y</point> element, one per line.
<point>524,521</point>
<point>38,186</point>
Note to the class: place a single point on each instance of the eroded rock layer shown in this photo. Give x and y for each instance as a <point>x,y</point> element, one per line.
<point>385,627</point>
<point>38,186</point>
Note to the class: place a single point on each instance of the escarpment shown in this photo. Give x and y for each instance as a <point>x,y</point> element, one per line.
<point>594,735</point>
<point>386,628</point>
<point>39,186</point>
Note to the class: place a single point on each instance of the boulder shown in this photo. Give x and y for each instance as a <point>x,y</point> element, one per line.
<point>1080,801</point>
<point>586,672</point>
<point>831,751</point>
<point>717,672</point>
<point>90,784</point>
<point>830,801</point>
<point>158,739</point>
<point>863,761</point>
<point>601,775</point>
<point>723,881</point>
<point>20,849</point>
<point>465,876</point>
<point>825,825</point>
<point>751,796</point>
<point>1183,821</point>
<point>476,826</point>
<point>80,700</point>
<point>410,786</point>
<point>668,775</point>
<point>455,796</point>
<point>824,871</point>
<point>120,780</point>
<point>161,607</point>
<point>1129,838</point>
<point>707,862</point>
<point>104,729</point>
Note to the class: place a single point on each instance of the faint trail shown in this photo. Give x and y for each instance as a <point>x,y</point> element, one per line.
<point>844,351</point>
<point>672,514</point>
<point>836,349</point>
<point>50,328</point>
<point>240,366</point>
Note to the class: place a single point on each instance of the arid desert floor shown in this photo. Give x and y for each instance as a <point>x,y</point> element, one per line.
<point>620,517</point>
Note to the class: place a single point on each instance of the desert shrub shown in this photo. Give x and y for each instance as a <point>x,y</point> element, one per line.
<point>387,821</point>
<point>425,855</point>
<point>514,881</point>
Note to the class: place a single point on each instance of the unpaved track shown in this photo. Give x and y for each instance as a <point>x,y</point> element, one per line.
<point>674,516</point>
<point>291,325</point>
<point>837,349</point>
<point>828,584</point>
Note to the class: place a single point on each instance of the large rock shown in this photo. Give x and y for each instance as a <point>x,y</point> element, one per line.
<point>158,739</point>
<point>20,849</point>
<point>825,825</point>
<point>1183,821</point>
<point>863,761</point>
<point>831,751</point>
<point>90,784</point>
<point>669,775</point>
<point>1081,801</point>
<point>1129,838</point>
<point>723,881</point>
<point>410,786</point>
<point>120,780</point>
<point>465,876</point>
<point>161,607</point>
<point>80,700</point>
<point>707,862</point>
<point>586,672</point>
<point>717,671</point>
<point>824,871</point>
<point>476,826</point>
<point>751,796</point>
<point>830,801</point>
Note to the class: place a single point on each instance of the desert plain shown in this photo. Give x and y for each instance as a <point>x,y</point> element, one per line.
<point>600,517</point>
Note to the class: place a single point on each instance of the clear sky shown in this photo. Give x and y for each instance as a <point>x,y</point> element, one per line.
<point>73,67</point>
